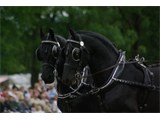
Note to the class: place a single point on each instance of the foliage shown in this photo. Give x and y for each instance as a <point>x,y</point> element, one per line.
<point>133,29</point>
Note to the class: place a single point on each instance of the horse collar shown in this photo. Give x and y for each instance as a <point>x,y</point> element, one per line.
<point>115,73</point>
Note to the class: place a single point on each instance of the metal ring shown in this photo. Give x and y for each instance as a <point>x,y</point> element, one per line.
<point>77,75</point>
<point>72,55</point>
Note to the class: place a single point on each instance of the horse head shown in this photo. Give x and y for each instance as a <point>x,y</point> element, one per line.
<point>87,49</point>
<point>76,57</point>
<point>48,52</point>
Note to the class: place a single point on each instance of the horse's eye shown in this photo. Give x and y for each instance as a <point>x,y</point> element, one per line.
<point>55,51</point>
<point>76,54</point>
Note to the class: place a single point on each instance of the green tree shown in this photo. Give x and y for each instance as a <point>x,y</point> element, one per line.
<point>133,29</point>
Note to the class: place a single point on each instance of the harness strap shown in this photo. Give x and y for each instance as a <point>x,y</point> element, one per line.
<point>152,87</point>
<point>49,41</point>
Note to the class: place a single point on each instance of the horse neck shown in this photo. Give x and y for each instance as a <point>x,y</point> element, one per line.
<point>105,58</point>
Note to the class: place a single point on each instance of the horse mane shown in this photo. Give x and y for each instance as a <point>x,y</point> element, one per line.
<point>103,39</point>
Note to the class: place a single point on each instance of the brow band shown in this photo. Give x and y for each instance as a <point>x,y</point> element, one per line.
<point>48,41</point>
<point>69,40</point>
<point>81,43</point>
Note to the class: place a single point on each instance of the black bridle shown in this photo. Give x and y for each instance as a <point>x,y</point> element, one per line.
<point>83,75</point>
<point>49,64</point>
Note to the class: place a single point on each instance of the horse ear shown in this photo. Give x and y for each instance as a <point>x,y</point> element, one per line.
<point>41,34</point>
<point>52,33</point>
<point>72,33</point>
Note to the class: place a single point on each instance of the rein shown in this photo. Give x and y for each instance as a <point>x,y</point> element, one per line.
<point>106,69</point>
<point>137,60</point>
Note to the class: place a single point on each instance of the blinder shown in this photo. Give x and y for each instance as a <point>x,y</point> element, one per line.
<point>38,54</point>
<point>76,54</point>
<point>55,49</point>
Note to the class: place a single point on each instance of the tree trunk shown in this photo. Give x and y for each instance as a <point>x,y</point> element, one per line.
<point>135,46</point>
<point>34,61</point>
<point>34,70</point>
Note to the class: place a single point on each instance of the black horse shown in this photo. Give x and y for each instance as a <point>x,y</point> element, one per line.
<point>118,85</point>
<point>49,52</point>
